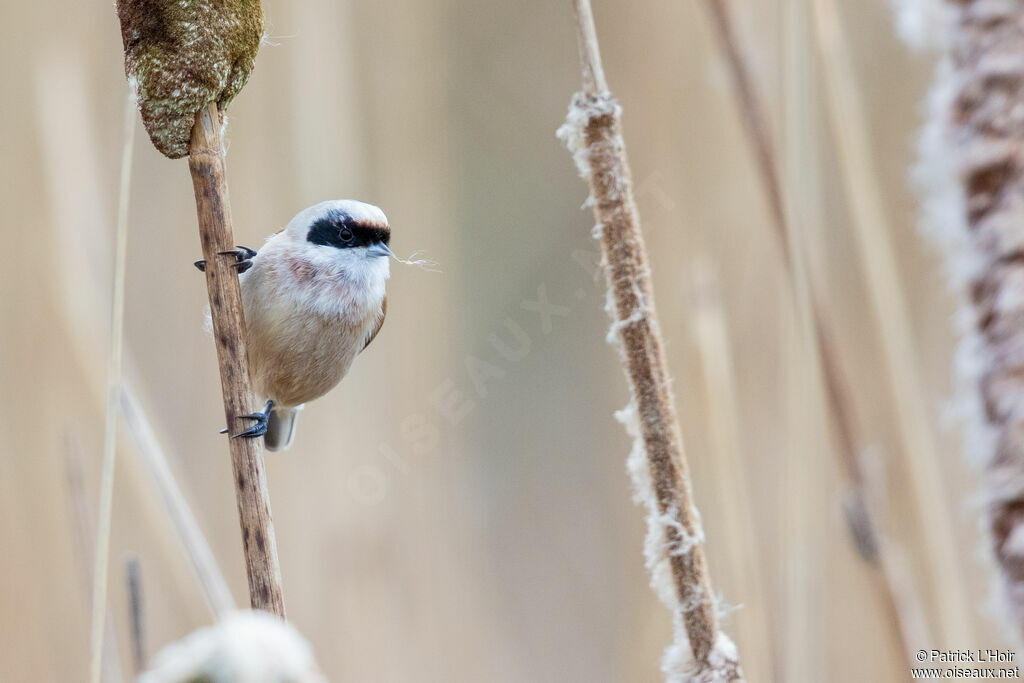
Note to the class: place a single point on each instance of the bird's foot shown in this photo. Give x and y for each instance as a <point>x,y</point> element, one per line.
<point>258,429</point>
<point>243,259</point>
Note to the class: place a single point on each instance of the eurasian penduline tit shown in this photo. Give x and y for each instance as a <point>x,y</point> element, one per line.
<point>313,298</point>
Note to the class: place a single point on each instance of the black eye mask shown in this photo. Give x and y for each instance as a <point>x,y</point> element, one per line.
<point>343,232</point>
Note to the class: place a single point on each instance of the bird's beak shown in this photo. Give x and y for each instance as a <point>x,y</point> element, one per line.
<point>378,249</point>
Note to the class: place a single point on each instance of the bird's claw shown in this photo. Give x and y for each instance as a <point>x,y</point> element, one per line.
<point>258,429</point>
<point>243,259</point>
<point>242,252</point>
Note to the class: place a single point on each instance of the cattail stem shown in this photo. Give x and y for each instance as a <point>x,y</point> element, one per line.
<point>207,165</point>
<point>593,131</point>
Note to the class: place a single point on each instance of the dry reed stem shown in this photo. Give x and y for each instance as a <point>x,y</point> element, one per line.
<point>865,507</point>
<point>136,613</point>
<point>594,134</point>
<point>207,165</point>
<point>215,587</point>
<point>977,138</point>
<point>926,489</point>
<point>101,557</point>
<point>800,500</point>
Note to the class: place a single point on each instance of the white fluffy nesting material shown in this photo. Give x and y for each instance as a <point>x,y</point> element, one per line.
<point>245,647</point>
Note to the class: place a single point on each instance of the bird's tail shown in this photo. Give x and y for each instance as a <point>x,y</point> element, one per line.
<point>281,428</point>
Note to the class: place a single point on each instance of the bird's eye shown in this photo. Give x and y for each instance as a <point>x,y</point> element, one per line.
<point>346,235</point>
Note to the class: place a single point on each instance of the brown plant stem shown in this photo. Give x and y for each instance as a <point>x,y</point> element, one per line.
<point>864,508</point>
<point>594,133</point>
<point>207,165</point>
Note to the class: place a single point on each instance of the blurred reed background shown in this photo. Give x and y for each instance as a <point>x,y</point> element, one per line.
<point>458,509</point>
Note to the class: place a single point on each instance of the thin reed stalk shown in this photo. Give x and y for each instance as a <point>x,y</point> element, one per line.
<point>675,552</point>
<point>102,553</point>
<point>800,531</point>
<point>926,491</point>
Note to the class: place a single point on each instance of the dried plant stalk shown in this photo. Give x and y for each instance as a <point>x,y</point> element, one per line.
<point>593,132</point>
<point>187,59</point>
<point>972,157</point>
<point>802,555</point>
<point>109,463</point>
<point>206,162</point>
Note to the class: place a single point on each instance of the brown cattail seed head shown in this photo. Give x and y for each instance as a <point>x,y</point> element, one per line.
<point>181,55</point>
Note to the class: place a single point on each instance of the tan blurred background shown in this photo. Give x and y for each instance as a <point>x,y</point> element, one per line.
<point>498,543</point>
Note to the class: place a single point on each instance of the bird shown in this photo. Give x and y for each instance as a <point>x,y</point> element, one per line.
<point>313,297</point>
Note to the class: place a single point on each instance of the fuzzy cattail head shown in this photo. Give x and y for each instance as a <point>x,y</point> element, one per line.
<point>972,176</point>
<point>245,647</point>
<point>180,55</point>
